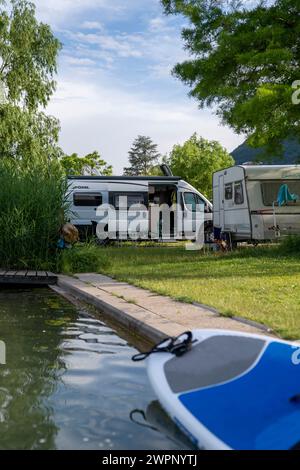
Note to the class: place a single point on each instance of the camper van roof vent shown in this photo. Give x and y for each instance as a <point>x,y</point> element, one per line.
<point>166,170</point>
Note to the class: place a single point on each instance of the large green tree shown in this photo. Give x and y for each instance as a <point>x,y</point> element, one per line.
<point>245,60</point>
<point>196,161</point>
<point>91,164</point>
<point>28,57</point>
<point>28,136</point>
<point>143,156</point>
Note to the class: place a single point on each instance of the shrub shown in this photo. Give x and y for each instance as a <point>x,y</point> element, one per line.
<point>291,245</point>
<point>83,258</point>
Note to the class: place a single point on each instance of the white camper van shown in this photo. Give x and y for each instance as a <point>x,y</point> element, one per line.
<point>87,193</point>
<point>245,200</point>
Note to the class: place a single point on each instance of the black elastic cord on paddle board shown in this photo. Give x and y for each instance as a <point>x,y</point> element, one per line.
<point>177,346</point>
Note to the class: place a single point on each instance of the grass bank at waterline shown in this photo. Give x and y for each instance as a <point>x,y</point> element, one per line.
<point>260,284</point>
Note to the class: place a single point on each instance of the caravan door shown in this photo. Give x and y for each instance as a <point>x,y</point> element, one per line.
<point>221,203</point>
<point>218,203</point>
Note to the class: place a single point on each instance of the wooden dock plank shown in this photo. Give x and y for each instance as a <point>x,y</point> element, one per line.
<point>31,273</point>
<point>49,274</point>
<point>28,278</point>
<point>20,273</point>
<point>41,273</point>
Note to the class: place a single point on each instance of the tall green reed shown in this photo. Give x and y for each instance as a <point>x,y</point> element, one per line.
<point>32,209</point>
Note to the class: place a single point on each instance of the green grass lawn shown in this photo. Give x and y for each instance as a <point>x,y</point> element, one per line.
<point>256,283</point>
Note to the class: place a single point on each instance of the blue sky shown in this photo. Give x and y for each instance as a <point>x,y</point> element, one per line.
<point>114,79</point>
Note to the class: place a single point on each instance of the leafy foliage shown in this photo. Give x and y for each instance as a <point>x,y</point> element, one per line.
<point>196,161</point>
<point>291,245</point>
<point>32,184</point>
<point>28,55</point>
<point>143,156</point>
<point>26,136</point>
<point>88,165</point>
<point>244,61</point>
<point>83,258</point>
<point>291,154</point>
<point>28,52</point>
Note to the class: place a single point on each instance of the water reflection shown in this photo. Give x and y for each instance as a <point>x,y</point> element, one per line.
<point>32,372</point>
<point>156,419</point>
<point>69,382</point>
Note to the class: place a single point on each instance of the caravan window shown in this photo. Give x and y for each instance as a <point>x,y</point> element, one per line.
<point>87,199</point>
<point>238,193</point>
<point>270,190</point>
<point>228,191</point>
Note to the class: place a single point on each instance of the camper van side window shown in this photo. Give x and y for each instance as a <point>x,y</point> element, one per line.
<point>87,199</point>
<point>238,193</point>
<point>228,191</point>
<point>193,202</point>
<point>131,198</point>
<point>190,201</point>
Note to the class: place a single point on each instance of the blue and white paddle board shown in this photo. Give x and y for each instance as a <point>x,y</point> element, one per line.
<point>232,390</point>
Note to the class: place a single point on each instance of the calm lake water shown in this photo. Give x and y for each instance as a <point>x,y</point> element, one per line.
<point>69,382</point>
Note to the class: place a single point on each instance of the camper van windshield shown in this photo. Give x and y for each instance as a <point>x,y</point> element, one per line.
<point>270,190</point>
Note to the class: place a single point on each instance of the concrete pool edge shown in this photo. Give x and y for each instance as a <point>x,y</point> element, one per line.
<point>145,313</point>
<point>114,308</point>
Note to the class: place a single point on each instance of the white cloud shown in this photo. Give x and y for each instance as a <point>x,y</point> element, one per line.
<point>79,61</point>
<point>57,12</point>
<point>159,24</point>
<point>94,25</point>
<point>106,97</point>
<point>160,71</point>
<point>162,50</point>
<point>99,116</point>
<point>120,45</point>
<point>66,7</point>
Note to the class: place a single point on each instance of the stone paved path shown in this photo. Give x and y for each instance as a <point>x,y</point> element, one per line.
<point>147,313</point>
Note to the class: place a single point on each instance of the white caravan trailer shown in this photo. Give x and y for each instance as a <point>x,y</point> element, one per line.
<point>87,193</point>
<point>245,202</point>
